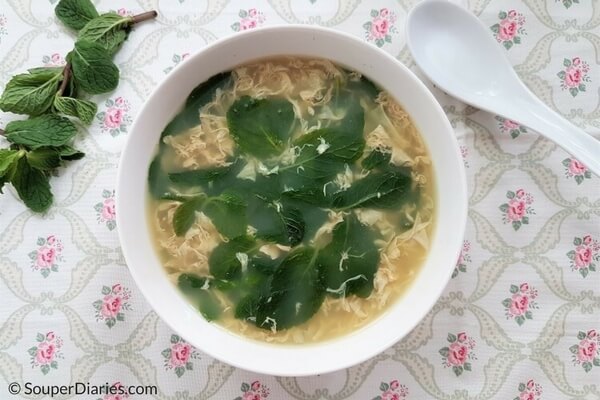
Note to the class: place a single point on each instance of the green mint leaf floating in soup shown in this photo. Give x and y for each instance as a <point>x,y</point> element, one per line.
<point>226,211</point>
<point>75,13</point>
<point>377,190</point>
<point>158,179</point>
<point>291,198</point>
<point>82,109</point>
<point>31,93</point>
<point>185,215</point>
<point>108,30</point>
<point>349,262</point>
<point>297,291</point>
<point>93,68</point>
<point>321,154</point>
<point>200,96</point>
<point>376,159</point>
<point>277,222</point>
<point>261,127</point>
<point>228,259</point>
<point>45,130</point>
<point>197,290</point>
<point>200,176</point>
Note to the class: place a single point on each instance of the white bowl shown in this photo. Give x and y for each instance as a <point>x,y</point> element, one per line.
<point>277,359</point>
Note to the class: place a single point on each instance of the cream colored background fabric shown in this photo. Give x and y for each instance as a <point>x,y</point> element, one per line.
<point>518,320</point>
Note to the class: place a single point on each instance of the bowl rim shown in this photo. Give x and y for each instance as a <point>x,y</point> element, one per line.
<point>301,367</point>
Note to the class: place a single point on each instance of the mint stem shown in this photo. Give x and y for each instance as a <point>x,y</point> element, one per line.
<point>2,133</point>
<point>143,17</point>
<point>65,80</point>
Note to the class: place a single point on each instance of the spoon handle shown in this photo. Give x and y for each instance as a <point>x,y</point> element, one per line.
<point>533,113</point>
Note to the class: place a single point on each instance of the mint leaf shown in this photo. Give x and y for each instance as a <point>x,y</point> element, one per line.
<point>200,96</point>
<point>297,292</point>
<point>253,287</point>
<point>353,122</point>
<point>44,158</point>
<point>185,215</point>
<point>75,13</point>
<point>224,261</point>
<point>321,155</point>
<point>313,195</point>
<point>195,288</point>
<point>261,127</point>
<point>377,190</point>
<point>376,159</point>
<point>190,282</point>
<point>69,153</point>
<point>46,72</point>
<point>7,159</point>
<point>45,130</point>
<point>158,180</point>
<point>363,85</point>
<point>92,68</point>
<point>8,164</point>
<point>108,30</point>
<point>199,176</point>
<point>82,109</point>
<point>277,222</point>
<point>349,262</point>
<point>228,213</point>
<point>31,93</point>
<point>32,186</point>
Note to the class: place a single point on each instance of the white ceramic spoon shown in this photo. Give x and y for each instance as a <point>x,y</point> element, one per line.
<point>458,53</point>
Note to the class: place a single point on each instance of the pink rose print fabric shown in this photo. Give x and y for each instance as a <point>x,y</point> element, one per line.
<point>179,356</point>
<point>54,60</point>
<point>519,305</point>
<point>464,152</point>
<point>510,127</point>
<point>574,76</point>
<point>380,28</point>
<point>115,119</point>
<point>111,308</point>
<point>568,3</point>
<point>46,351</point>
<point>47,256</point>
<point>518,208</point>
<point>529,391</point>
<point>576,170</point>
<point>586,255</point>
<point>124,12</point>
<point>105,210</point>
<point>587,352</point>
<point>463,259</point>
<point>253,391</point>
<point>176,59</point>
<point>249,19</point>
<point>392,391</point>
<point>118,388</point>
<point>3,30</point>
<point>459,353</point>
<point>510,29</point>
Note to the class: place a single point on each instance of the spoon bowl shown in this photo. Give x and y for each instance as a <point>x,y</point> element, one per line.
<point>456,51</point>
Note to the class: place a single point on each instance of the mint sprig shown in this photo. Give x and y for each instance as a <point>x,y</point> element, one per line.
<point>51,97</point>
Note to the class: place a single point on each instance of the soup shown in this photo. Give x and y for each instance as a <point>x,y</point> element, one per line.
<point>291,200</point>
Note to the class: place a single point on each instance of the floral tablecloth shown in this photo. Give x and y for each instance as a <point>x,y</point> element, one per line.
<point>518,320</point>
